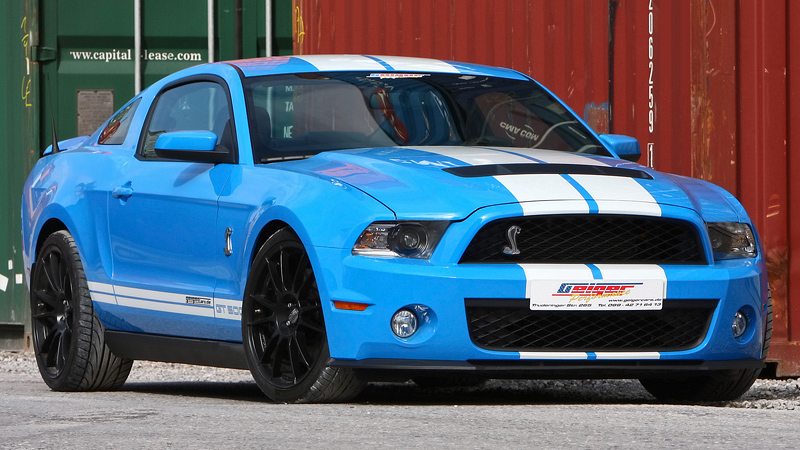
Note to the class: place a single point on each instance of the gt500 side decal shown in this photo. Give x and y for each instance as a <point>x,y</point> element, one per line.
<point>166,302</point>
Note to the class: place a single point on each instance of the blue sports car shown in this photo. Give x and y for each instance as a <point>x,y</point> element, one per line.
<point>325,221</point>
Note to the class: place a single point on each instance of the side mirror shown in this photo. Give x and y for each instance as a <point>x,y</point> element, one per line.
<point>195,145</point>
<point>625,147</point>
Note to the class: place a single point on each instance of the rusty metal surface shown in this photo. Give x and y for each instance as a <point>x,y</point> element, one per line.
<point>555,42</point>
<point>707,87</point>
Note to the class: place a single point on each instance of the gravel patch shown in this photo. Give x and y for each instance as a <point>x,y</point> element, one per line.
<point>782,394</point>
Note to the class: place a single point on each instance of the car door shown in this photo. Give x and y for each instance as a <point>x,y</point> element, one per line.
<point>162,216</point>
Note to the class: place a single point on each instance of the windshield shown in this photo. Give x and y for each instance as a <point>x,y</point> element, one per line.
<point>297,116</point>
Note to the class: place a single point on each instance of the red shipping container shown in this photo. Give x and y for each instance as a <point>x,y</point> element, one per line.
<point>710,88</point>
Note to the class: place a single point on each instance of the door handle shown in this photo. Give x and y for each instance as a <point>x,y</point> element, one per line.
<point>122,192</point>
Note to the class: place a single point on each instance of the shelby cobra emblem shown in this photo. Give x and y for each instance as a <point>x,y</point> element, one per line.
<point>511,234</point>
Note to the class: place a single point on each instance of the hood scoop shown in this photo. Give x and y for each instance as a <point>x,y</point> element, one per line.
<point>491,170</point>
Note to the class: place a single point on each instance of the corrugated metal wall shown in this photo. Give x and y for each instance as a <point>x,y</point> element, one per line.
<point>18,125</point>
<point>57,53</point>
<point>555,41</point>
<point>707,87</point>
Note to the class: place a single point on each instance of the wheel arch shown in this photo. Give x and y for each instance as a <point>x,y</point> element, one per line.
<point>267,230</point>
<point>49,227</point>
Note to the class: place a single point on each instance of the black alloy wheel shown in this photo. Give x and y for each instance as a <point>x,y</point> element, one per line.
<point>53,312</point>
<point>68,338</point>
<point>283,328</point>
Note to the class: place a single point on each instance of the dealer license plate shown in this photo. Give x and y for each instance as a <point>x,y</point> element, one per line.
<point>598,295</point>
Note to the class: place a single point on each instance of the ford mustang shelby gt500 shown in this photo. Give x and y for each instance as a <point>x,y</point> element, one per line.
<point>329,220</point>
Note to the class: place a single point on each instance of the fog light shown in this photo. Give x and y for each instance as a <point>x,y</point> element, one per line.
<point>739,324</point>
<point>404,323</point>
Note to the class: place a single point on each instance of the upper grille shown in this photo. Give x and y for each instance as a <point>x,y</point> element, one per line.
<point>588,239</point>
<point>509,325</point>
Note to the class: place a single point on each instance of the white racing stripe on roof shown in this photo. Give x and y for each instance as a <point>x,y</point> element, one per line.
<point>408,64</point>
<point>342,62</point>
<point>619,195</point>
<point>528,188</point>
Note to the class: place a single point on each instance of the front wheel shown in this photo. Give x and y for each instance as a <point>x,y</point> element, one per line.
<point>723,385</point>
<point>283,329</point>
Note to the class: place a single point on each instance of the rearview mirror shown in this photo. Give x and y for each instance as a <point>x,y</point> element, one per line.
<point>625,147</point>
<point>195,145</point>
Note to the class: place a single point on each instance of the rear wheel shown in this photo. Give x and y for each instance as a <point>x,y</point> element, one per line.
<point>68,338</point>
<point>283,329</point>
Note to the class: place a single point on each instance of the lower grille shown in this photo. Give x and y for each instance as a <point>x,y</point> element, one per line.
<point>510,325</point>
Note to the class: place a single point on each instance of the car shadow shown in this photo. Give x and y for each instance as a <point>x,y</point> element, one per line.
<point>492,392</point>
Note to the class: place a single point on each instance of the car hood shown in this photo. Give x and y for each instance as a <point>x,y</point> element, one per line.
<point>453,182</point>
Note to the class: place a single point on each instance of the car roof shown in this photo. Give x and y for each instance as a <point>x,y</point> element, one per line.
<point>338,63</point>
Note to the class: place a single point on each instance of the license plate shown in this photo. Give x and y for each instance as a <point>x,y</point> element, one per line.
<point>599,295</point>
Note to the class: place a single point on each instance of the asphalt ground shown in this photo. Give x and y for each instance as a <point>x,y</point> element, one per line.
<point>181,406</point>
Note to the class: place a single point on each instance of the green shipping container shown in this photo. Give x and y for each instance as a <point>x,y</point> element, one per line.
<point>76,61</point>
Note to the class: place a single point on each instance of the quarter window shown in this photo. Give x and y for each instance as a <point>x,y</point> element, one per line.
<point>117,128</point>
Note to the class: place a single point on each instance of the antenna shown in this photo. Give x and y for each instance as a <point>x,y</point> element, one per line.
<point>55,148</point>
<point>55,139</point>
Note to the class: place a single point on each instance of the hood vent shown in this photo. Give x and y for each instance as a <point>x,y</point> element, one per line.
<point>492,170</point>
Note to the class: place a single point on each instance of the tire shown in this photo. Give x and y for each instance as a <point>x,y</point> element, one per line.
<point>714,386</point>
<point>283,329</point>
<point>767,328</point>
<point>68,338</point>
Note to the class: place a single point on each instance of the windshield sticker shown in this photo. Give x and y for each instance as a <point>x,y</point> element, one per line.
<point>398,75</point>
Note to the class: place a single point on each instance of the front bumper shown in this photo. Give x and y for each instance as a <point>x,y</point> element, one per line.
<point>400,370</point>
<point>387,284</point>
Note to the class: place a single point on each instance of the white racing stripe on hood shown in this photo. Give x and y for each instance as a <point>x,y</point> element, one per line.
<point>619,195</point>
<point>557,207</point>
<point>556,157</point>
<point>477,156</point>
<point>352,62</point>
<point>529,188</point>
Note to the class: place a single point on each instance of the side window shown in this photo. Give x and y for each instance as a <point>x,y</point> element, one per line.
<point>202,105</point>
<point>117,128</point>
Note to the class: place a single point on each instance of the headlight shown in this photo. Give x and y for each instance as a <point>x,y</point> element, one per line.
<point>400,239</point>
<point>730,240</point>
